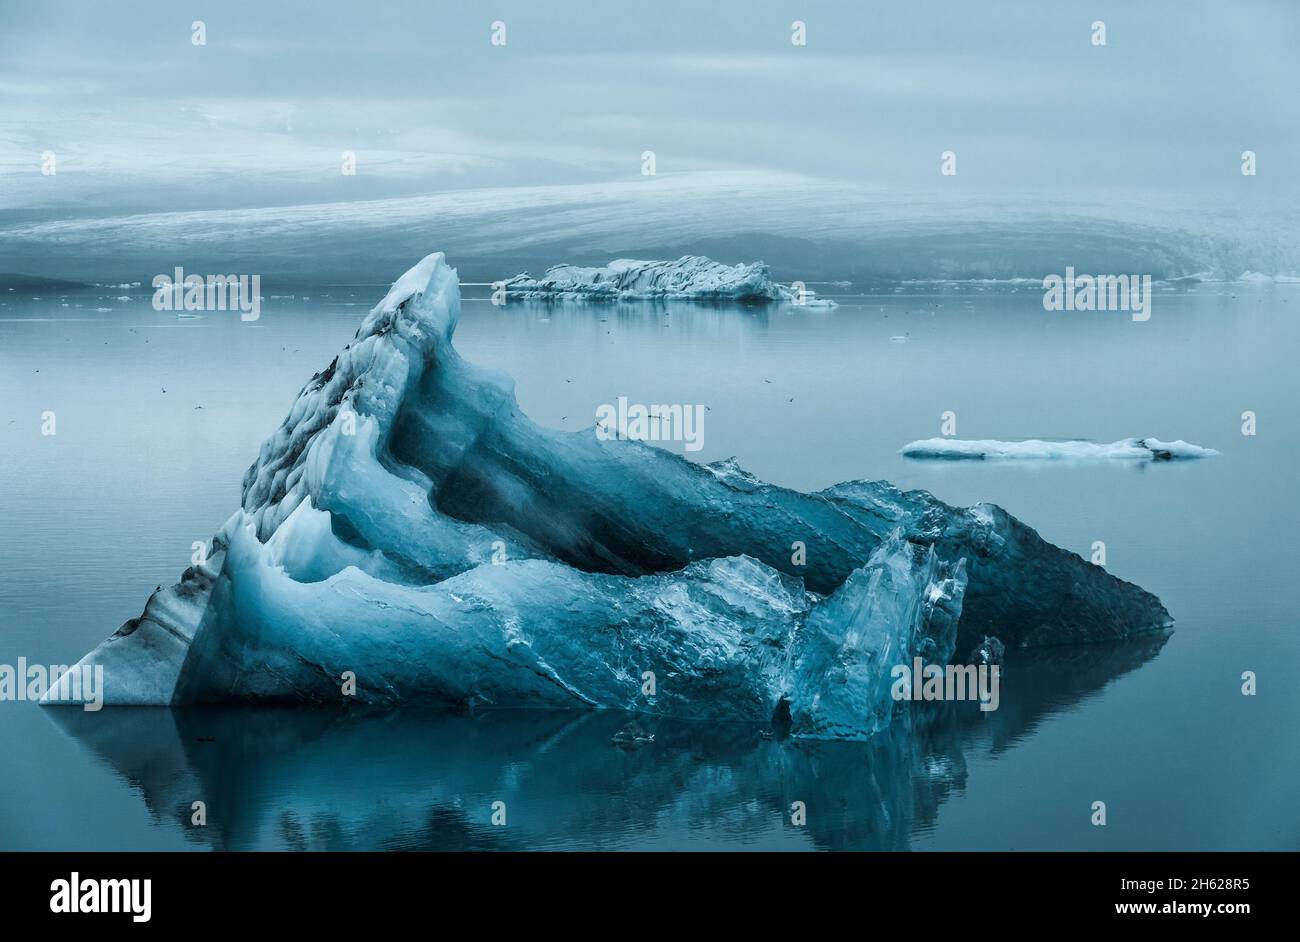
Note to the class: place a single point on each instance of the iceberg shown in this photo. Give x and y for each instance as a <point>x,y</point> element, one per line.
<point>409,535</point>
<point>689,278</point>
<point>1140,449</point>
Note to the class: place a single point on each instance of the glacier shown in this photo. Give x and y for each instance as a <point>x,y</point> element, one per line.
<point>825,230</point>
<point>409,531</point>
<point>1139,449</point>
<point>689,278</point>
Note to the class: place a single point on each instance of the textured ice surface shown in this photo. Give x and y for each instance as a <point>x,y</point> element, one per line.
<point>690,278</point>
<point>725,638</point>
<point>1141,449</point>
<point>408,524</point>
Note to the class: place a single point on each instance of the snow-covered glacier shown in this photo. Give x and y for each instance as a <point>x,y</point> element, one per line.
<point>409,531</point>
<point>689,278</point>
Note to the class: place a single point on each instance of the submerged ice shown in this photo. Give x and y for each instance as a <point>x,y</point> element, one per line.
<point>410,532</point>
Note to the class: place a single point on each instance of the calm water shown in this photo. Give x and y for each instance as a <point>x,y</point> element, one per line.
<point>158,419</point>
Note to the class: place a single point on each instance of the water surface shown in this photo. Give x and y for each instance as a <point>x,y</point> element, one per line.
<point>158,417</point>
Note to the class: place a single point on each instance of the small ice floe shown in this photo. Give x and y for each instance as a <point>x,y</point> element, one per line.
<point>632,735</point>
<point>989,651</point>
<point>1142,449</point>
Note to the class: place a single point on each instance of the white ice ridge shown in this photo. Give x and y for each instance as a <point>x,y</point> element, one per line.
<point>689,278</point>
<point>409,528</point>
<point>1141,449</point>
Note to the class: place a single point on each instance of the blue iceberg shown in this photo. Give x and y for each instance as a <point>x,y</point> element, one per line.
<point>409,535</point>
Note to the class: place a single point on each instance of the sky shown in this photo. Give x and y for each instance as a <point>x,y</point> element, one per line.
<point>142,121</point>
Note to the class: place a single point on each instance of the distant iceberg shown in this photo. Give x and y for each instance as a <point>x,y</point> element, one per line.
<point>1140,449</point>
<point>408,531</point>
<point>689,278</point>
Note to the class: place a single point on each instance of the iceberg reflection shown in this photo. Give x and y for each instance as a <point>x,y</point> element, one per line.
<point>317,779</point>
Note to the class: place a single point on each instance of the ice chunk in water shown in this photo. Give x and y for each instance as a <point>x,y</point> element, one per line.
<point>408,524</point>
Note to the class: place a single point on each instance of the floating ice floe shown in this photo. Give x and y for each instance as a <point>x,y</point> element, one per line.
<point>408,534</point>
<point>689,278</point>
<point>1141,449</point>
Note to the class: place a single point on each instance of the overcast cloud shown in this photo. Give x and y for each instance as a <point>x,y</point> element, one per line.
<point>143,120</point>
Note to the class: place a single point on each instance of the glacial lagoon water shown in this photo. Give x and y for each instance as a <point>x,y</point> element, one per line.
<point>159,416</point>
